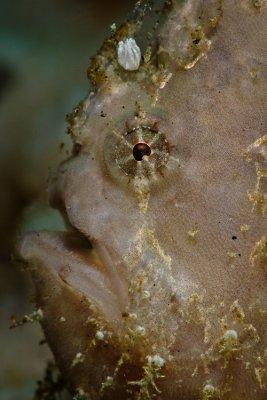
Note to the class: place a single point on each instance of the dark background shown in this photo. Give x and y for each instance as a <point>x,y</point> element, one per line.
<point>45,48</point>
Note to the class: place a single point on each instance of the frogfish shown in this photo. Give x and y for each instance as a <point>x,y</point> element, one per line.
<point>156,289</point>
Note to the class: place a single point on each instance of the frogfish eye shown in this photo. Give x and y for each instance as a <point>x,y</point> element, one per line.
<point>140,150</point>
<point>137,152</point>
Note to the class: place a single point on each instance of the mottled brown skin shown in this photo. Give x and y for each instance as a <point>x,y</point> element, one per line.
<point>170,267</point>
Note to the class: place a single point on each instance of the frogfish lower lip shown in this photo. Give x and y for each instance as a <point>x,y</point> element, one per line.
<point>69,258</point>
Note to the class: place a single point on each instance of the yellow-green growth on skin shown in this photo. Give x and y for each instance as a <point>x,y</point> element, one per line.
<point>152,372</point>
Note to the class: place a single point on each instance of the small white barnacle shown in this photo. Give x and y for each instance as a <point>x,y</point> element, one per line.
<point>230,335</point>
<point>146,294</point>
<point>129,54</point>
<point>78,359</point>
<point>209,388</point>
<point>156,360</point>
<point>209,392</point>
<point>140,330</point>
<point>100,335</point>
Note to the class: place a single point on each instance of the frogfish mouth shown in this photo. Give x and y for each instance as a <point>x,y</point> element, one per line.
<point>157,287</point>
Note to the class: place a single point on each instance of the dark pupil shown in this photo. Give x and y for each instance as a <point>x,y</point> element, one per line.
<point>140,150</point>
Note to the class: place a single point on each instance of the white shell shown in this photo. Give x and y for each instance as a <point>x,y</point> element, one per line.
<point>156,360</point>
<point>230,335</point>
<point>129,54</point>
<point>208,388</point>
<point>100,335</point>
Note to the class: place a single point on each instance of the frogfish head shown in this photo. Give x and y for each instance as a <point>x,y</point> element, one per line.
<point>156,288</point>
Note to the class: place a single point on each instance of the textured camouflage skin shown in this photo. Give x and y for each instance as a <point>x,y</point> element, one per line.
<point>157,287</point>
